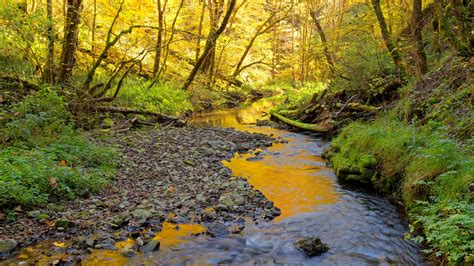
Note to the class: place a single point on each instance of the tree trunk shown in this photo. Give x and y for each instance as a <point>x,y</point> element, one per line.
<point>397,58</point>
<point>210,43</point>
<point>168,43</point>
<point>94,26</point>
<point>320,30</point>
<point>215,7</point>
<point>201,20</point>
<point>266,26</point>
<point>71,30</point>
<point>49,73</point>
<point>416,33</point>
<point>159,39</point>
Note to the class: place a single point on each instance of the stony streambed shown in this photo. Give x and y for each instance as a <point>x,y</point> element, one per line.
<point>172,174</point>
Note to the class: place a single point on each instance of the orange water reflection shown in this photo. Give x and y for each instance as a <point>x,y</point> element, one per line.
<point>293,181</point>
<point>170,236</point>
<point>294,185</point>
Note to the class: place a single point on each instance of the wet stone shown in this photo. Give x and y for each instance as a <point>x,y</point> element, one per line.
<point>151,246</point>
<point>311,246</point>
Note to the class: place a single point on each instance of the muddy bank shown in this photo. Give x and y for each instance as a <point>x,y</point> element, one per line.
<point>172,174</point>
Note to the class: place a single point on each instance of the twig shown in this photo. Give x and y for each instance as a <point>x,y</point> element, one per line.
<point>344,106</point>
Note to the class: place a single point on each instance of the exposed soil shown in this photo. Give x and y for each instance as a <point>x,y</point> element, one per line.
<point>172,174</point>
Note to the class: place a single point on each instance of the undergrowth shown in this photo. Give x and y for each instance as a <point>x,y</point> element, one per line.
<point>43,159</point>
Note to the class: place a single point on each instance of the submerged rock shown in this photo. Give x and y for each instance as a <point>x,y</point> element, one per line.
<point>311,246</point>
<point>218,230</point>
<point>151,246</point>
<point>127,252</point>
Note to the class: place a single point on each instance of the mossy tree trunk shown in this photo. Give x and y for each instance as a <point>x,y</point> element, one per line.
<point>416,34</point>
<point>49,73</point>
<point>71,31</point>
<point>394,52</point>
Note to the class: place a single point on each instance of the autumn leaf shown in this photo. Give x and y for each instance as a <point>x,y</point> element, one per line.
<point>53,181</point>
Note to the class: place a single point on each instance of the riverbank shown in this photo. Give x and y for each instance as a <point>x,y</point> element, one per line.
<point>420,152</point>
<point>168,174</point>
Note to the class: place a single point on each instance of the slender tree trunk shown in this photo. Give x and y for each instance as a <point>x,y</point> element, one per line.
<point>397,58</point>
<point>94,26</point>
<point>320,30</point>
<point>274,50</point>
<point>68,55</point>
<point>201,20</point>
<point>168,43</point>
<point>215,12</point>
<point>49,73</point>
<point>159,39</point>
<point>416,33</point>
<point>266,26</point>
<point>211,41</point>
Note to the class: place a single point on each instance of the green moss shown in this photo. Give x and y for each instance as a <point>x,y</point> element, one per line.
<point>422,165</point>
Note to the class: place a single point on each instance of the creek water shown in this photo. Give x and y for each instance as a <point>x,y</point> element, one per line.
<point>359,228</point>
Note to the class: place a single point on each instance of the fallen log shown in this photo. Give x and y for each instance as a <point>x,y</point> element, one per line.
<point>23,83</point>
<point>286,112</point>
<point>311,127</point>
<point>161,118</point>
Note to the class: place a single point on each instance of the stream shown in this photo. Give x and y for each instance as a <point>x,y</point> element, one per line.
<point>359,228</point>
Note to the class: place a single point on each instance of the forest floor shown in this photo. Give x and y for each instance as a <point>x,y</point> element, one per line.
<point>169,174</point>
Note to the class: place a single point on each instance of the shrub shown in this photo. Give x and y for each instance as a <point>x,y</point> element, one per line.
<point>41,114</point>
<point>68,168</point>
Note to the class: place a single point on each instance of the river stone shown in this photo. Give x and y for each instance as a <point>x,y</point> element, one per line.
<point>210,213</point>
<point>218,230</point>
<point>275,211</point>
<point>226,200</point>
<point>7,246</point>
<point>141,214</point>
<point>238,200</point>
<point>64,223</point>
<point>127,252</point>
<point>34,214</point>
<point>151,246</point>
<point>311,246</point>
<point>43,216</point>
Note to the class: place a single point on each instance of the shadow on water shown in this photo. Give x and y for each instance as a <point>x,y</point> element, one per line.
<point>359,228</point>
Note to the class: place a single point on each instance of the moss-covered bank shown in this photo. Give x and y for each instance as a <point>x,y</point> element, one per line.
<point>421,152</point>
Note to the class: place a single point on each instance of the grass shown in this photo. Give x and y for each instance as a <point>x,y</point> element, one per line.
<point>162,97</point>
